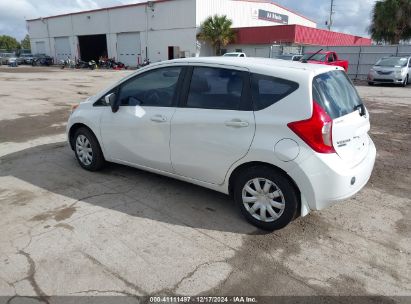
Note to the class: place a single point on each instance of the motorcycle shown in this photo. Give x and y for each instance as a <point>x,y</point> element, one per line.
<point>146,62</point>
<point>92,65</point>
<point>105,63</point>
<point>67,63</point>
<point>86,65</point>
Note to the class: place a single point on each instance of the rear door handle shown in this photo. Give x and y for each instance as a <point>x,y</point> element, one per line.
<point>237,123</point>
<point>158,118</point>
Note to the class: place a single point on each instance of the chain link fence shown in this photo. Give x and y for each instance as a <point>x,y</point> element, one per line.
<point>362,58</point>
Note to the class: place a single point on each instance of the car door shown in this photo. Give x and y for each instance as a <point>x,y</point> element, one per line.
<point>139,132</point>
<point>214,126</point>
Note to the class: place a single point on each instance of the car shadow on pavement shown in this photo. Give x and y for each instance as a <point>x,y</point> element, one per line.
<point>138,193</point>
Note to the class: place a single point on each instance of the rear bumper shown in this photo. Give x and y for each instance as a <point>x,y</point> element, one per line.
<point>324,179</point>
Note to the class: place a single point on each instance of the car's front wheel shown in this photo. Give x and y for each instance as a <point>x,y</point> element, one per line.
<point>266,197</point>
<point>87,150</point>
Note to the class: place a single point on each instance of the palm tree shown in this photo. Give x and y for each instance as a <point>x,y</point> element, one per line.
<point>391,21</point>
<point>217,30</point>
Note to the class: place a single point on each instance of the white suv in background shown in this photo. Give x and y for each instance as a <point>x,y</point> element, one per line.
<point>282,139</point>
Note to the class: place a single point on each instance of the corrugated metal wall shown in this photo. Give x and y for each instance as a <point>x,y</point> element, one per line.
<point>362,58</point>
<point>306,35</point>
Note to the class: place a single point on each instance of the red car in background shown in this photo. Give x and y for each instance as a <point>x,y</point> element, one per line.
<point>325,57</point>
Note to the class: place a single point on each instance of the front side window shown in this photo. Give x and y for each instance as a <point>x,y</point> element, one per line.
<point>267,90</point>
<point>154,88</point>
<point>215,88</point>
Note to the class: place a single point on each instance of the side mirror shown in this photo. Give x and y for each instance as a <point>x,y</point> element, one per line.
<point>110,100</point>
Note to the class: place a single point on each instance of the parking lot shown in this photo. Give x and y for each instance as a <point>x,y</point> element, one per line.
<point>122,231</point>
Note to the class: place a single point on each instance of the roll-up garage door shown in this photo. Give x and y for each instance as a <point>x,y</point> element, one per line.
<point>262,52</point>
<point>40,47</point>
<point>128,48</point>
<point>62,47</point>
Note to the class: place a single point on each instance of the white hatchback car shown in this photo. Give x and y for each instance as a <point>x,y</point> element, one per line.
<point>282,139</point>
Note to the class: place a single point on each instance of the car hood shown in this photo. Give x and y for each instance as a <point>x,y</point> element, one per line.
<point>385,68</point>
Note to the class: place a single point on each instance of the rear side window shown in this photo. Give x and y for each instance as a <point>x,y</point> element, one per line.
<point>335,93</point>
<point>216,88</point>
<point>268,90</point>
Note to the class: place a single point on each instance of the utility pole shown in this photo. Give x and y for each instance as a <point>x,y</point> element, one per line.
<point>329,23</point>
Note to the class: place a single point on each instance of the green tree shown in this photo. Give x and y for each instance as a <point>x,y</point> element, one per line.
<point>8,43</point>
<point>25,43</point>
<point>391,21</point>
<point>217,31</point>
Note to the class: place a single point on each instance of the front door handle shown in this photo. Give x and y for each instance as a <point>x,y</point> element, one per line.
<point>237,123</point>
<point>158,118</point>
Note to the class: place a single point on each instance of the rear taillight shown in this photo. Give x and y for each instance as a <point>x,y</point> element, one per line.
<point>315,131</point>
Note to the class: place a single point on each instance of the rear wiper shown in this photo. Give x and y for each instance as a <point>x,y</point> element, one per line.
<point>361,107</point>
<point>312,55</point>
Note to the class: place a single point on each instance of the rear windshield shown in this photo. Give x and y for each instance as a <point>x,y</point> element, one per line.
<point>335,93</point>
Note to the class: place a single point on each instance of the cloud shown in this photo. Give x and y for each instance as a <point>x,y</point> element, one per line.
<point>13,13</point>
<point>351,16</point>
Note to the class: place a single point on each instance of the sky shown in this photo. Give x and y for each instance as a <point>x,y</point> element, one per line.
<point>351,16</point>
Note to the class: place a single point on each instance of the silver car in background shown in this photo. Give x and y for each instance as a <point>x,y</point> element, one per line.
<point>5,57</point>
<point>394,70</point>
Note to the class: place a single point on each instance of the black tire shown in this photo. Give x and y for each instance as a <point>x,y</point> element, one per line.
<point>289,192</point>
<point>97,158</point>
<point>370,83</point>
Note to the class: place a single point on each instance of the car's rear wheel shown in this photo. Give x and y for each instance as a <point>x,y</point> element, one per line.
<point>87,150</point>
<point>267,198</point>
<point>370,83</point>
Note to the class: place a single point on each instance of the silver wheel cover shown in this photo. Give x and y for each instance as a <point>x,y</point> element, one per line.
<point>263,199</point>
<point>83,150</point>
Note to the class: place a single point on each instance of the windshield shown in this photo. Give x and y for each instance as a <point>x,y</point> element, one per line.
<point>231,55</point>
<point>392,62</point>
<point>316,57</point>
<point>335,93</point>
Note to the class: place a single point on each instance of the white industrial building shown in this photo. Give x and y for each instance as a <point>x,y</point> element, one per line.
<point>158,30</point>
